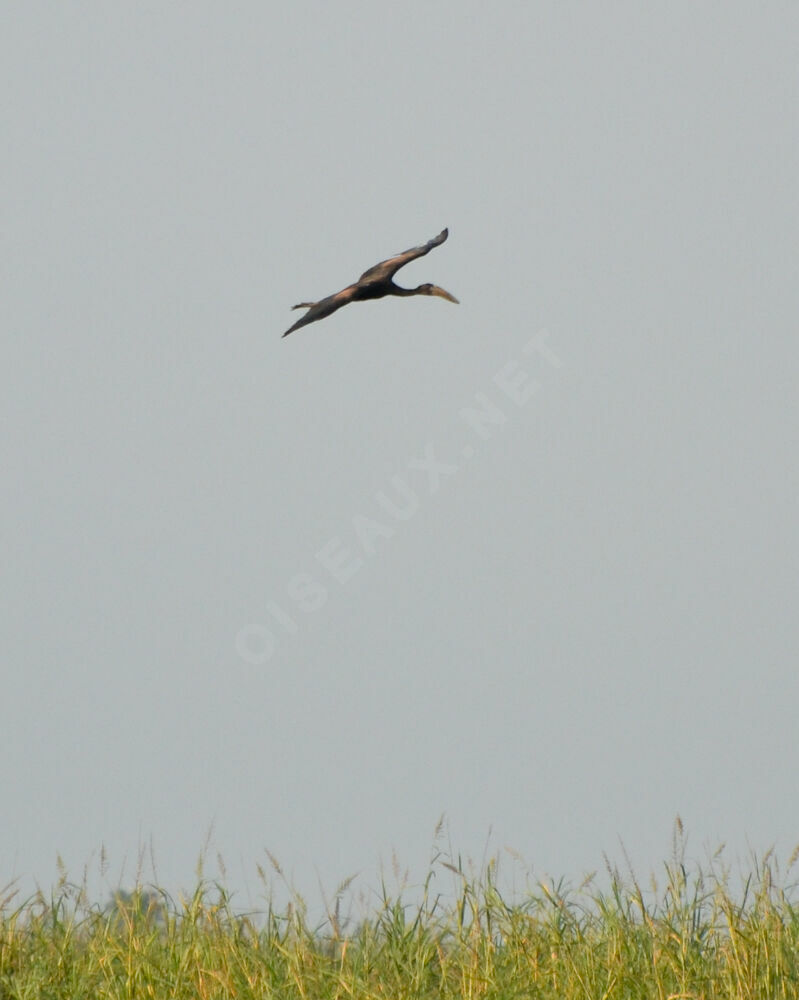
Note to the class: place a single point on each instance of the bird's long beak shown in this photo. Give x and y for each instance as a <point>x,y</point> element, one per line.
<point>435,290</point>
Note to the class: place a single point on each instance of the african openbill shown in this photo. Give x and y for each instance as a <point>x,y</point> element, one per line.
<point>374,284</point>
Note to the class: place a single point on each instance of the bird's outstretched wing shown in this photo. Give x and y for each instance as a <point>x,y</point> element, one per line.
<point>318,310</point>
<point>386,269</point>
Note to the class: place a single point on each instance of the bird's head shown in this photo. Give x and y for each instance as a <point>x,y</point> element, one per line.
<point>429,289</point>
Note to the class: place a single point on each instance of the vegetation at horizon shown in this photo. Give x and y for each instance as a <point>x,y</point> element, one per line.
<point>688,934</point>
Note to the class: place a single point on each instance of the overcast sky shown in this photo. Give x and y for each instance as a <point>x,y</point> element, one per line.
<point>529,561</point>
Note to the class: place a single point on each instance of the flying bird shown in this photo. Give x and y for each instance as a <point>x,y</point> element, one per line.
<point>374,284</point>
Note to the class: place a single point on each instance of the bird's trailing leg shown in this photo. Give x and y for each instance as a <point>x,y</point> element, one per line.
<point>304,305</point>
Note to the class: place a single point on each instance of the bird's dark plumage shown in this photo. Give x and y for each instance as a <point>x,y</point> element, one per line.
<point>374,284</point>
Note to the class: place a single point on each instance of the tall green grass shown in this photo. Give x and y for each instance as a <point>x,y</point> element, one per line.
<point>687,934</point>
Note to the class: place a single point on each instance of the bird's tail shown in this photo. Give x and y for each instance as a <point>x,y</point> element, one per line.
<point>304,305</point>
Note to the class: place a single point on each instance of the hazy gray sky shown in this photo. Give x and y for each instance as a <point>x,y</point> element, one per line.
<point>582,626</point>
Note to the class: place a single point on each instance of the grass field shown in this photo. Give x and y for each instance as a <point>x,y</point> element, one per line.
<point>685,934</point>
